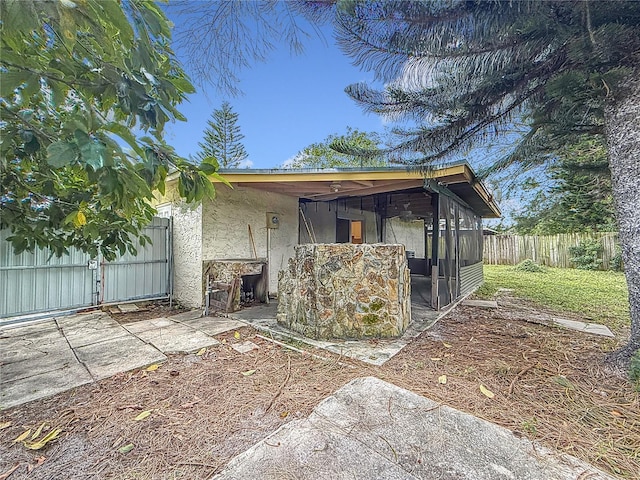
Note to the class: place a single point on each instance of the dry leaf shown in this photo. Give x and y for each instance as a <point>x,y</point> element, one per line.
<point>248,372</point>
<point>37,445</point>
<point>446,345</point>
<point>284,414</point>
<point>153,367</point>
<point>4,425</point>
<point>37,433</point>
<point>563,381</point>
<point>236,334</point>
<point>486,392</point>
<point>223,341</point>
<point>435,359</point>
<point>126,448</point>
<point>23,436</point>
<point>40,460</point>
<point>201,352</point>
<point>142,415</point>
<point>442,379</point>
<point>616,413</point>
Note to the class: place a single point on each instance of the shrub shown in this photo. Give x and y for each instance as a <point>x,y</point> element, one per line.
<point>616,261</point>
<point>587,255</point>
<point>529,265</point>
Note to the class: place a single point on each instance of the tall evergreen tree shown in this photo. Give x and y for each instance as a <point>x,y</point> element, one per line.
<point>579,197</point>
<point>466,71</point>
<point>321,155</point>
<point>223,139</point>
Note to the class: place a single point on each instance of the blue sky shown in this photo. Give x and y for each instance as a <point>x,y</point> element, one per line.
<point>289,102</point>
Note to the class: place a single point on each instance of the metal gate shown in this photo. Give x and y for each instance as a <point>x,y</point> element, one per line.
<point>38,282</point>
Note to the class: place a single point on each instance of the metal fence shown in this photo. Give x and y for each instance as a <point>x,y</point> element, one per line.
<point>549,250</point>
<point>38,282</point>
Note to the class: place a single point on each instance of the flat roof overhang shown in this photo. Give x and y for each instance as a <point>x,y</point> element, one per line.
<point>332,184</point>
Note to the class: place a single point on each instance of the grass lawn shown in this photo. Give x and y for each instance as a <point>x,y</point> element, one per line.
<point>601,297</point>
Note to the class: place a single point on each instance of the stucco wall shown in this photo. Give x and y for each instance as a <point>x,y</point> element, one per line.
<point>225,232</point>
<point>409,234</point>
<point>322,216</point>
<point>187,254</point>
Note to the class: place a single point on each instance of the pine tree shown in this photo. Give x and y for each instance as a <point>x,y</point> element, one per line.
<point>468,71</point>
<point>223,139</point>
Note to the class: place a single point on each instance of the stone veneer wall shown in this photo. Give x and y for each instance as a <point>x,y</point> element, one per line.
<point>346,291</point>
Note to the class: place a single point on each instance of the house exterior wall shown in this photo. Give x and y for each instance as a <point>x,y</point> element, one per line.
<point>187,254</point>
<point>409,234</point>
<point>225,231</point>
<point>322,217</point>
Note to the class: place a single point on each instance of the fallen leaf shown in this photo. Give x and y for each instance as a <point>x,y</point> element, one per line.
<point>248,372</point>
<point>142,415</point>
<point>40,460</point>
<point>616,413</point>
<point>6,474</point>
<point>442,379</point>
<point>436,359</point>
<point>236,334</point>
<point>201,352</point>
<point>284,414</point>
<point>37,433</point>
<point>446,345</point>
<point>23,436</point>
<point>37,445</point>
<point>223,341</point>
<point>153,367</point>
<point>563,381</point>
<point>126,448</point>
<point>486,392</point>
<point>4,425</point>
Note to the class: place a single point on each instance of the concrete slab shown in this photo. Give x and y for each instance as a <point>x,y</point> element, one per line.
<point>480,303</point>
<point>214,325</point>
<point>372,429</point>
<point>244,347</point>
<point>184,316</point>
<point>43,385</point>
<point>593,328</point>
<point>16,349</point>
<point>145,325</point>
<point>177,338</point>
<point>58,357</point>
<point>39,328</point>
<point>128,307</point>
<point>117,355</point>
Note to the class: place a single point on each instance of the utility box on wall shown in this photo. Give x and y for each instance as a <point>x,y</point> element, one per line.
<point>273,220</point>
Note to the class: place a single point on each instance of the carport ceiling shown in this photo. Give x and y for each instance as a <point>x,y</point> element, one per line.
<point>333,184</point>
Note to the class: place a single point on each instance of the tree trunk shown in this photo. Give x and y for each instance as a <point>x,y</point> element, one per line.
<point>622,116</point>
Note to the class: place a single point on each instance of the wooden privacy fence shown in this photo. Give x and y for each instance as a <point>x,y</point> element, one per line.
<point>549,250</point>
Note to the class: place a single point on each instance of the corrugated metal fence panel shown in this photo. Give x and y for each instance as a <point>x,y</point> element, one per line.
<point>144,275</point>
<point>33,282</point>
<point>471,277</point>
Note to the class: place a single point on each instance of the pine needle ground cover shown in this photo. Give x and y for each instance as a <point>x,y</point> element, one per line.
<point>187,417</point>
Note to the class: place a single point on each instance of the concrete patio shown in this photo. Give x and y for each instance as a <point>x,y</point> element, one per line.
<point>371,429</point>
<point>53,355</point>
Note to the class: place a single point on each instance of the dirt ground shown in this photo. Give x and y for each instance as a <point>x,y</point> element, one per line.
<point>548,385</point>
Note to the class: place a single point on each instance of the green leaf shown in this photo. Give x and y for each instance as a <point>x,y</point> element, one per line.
<point>60,154</point>
<point>126,448</point>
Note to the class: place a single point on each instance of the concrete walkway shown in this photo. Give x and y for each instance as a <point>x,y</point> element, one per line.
<point>370,429</point>
<point>57,354</point>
